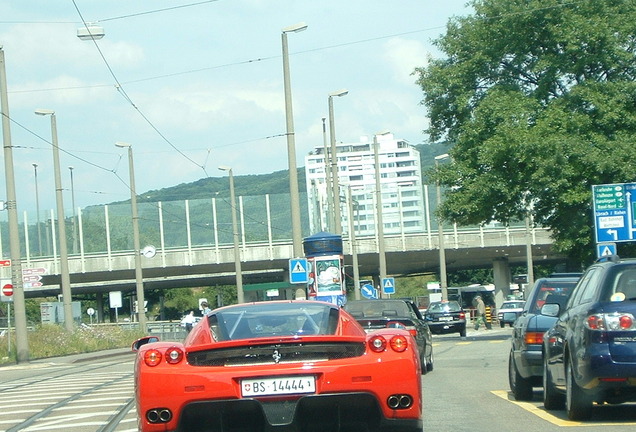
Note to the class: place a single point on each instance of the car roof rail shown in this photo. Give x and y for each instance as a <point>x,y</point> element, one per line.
<point>608,258</point>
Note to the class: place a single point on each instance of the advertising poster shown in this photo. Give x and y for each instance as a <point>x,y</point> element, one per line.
<point>325,280</point>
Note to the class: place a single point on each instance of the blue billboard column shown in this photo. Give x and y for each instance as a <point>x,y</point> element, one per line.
<point>326,268</point>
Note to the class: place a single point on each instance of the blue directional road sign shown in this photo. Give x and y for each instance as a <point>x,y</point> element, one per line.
<point>298,270</point>
<point>614,208</point>
<point>388,285</point>
<point>368,291</point>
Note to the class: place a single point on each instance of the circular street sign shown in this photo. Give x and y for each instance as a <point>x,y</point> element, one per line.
<point>7,290</point>
<point>90,311</point>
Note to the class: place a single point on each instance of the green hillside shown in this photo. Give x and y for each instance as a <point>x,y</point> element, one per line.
<point>261,184</point>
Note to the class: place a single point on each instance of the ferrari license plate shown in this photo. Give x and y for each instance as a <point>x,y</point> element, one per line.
<point>278,386</point>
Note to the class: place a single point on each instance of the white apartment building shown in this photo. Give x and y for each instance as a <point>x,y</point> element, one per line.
<point>403,206</point>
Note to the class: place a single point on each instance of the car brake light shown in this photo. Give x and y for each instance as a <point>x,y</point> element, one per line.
<point>534,338</point>
<point>462,315</point>
<point>377,344</point>
<point>612,379</point>
<point>174,355</point>
<point>399,343</point>
<point>152,357</point>
<point>626,322</point>
<point>595,322</point>
<point>611,322</point>
<point>413,332</point>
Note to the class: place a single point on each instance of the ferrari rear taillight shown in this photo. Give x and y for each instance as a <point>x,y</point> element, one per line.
<point>152,357</point>
<point>534,338</point>
<point>174,355</point>
<point>377,344</point>
<point>615,321</point>
<point>399,343</point>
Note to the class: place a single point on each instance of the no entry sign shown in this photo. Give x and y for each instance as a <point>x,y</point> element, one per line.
<point>7,290</point>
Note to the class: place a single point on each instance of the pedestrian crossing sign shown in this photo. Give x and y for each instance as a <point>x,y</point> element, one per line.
<point>388,285</point>
<point>298,271</point>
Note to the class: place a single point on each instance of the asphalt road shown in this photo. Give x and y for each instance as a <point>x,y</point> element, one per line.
<point>466,391</point>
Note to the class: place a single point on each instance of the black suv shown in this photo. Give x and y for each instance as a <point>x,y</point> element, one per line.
<point>377,314</point>
<point>590,352</point>
<point>525,363</point>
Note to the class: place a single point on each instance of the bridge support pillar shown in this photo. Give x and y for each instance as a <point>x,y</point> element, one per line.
<point>99,299</point>
<point>502,277</point>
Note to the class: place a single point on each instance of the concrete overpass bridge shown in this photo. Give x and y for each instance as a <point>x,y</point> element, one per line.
<point>264,262</point>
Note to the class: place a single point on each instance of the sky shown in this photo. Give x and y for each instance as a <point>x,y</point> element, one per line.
<point>192,85</point>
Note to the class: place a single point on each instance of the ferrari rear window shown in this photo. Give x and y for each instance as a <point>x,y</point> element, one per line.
<point>246,321</point>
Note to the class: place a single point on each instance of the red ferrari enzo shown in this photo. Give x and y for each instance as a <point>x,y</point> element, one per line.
<point>279,366</point>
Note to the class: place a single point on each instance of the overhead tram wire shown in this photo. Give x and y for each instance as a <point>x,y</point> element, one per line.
<point>260,59</point>
<point>114,172</point>
<point>122,91</point>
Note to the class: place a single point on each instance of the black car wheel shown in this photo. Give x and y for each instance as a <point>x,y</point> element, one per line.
<point>578,404</point>
<point>423,364</point>
<point>552,399</point>
<point>521,387</point>
<point>429,364</point>
<point>462,332</point>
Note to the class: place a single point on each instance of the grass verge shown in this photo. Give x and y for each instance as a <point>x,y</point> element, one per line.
<point>50,340</point>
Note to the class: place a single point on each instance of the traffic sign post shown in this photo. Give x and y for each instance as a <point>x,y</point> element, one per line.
<point>388,285</point>
<point>369,292</point>
<point>605,249</point>
<point>7,290</point>
<point>614,208</point>
<point>298,271</point>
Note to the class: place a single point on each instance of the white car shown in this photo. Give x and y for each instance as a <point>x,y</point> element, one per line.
<point>509,311</point>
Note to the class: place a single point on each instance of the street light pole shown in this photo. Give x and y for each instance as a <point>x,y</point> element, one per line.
<point>352,240</point>
<point>22,342</point>
<point>328,188</point>
<point>334,164</point>
<point>291,145</point>
<point>37,208</point>
<point>235,236</point>
<point>74,216</point>
<point>440,235</point>
<point>61,224</point>
<point>139,281</point>
<point>378,210</point>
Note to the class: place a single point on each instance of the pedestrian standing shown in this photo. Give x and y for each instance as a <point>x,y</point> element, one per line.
<point>205,309</point>
<point>480,312</point>
<point>188,321</point>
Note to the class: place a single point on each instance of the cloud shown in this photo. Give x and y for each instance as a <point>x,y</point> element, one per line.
<point>403,56</point>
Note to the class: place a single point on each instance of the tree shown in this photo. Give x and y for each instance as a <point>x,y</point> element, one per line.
<point>539,101</point>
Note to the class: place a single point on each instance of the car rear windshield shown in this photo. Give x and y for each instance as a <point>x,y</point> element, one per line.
<point>512,305</point>
<point>444,307</point>
<point>377,308</point>
<point>274,319</point>
<point>551,291</point>
<point>623,285</point>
